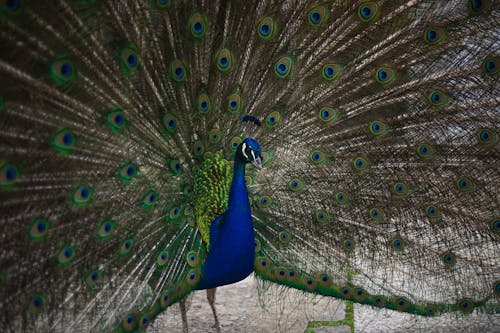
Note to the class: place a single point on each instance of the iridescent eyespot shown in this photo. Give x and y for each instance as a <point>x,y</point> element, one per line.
<point>487,137</point>
<point>39,229</point>
<point>293,274</point>
<point>127,172</point>
<point>385,74</point>
<point>261,264</point>
<point>144,321</point>
<point>283,67</point>
<point>342,199</point>
<point>322,216</point>
<point>266,28</point>
<point>368,11</point>
<point>273,120</point>
<point>224,60</point>
<point>377,214</point>
<point>425,151</point>
<point>215,136</point>
<point>360,164</point>
<point>197,25</point>
<point>480,7</point>
<point>434,35</point>
<point>64,141</point>
<point>296,185</point>
<point>283,237</point>
<point>187,191</point>
<point>193,277</point>
<point>360,294</point>
<point>174,165</point>
<point>438,98</point>
<point>324,280</point>
<point>82,195</point>
<point>189,220</point>
<point>166,298</point>
<point>173,214</point>
<point>234,103</point>
<point>433,212</point>
<point>9,174</point>
<point>465,184</point>
<point>65,255</point>
<point>331,72</point>
<point>235,142</point>
<point>204,104</point>
<point>465,305</point>
<point>491,65</point>
<point>267,156</point>
<point>348,245</point>
<point>105,229</point>
<point>116,119</point>
<point>397,244</point>
<point>129,60</point>
<point>430,310</point>
<point>402,303</point>
<point>317,157</point>
<point>317,16</point>
<point>193,258</point>
<point>265,201</point>
<point>449,259</point>
<point>62,71</point>
<point>328,115</point>
<point>378,128</point>
<point>309,283</point>
<point>198,149</point>
<point>401,189</point>
<point>178,71</point>
<point>36,304</point>
<point>379,301</point>
<point>149,199</point>
<point>129,323</point>
<point>346,292</point>
<point>280,273</point>
<point>126,247</point>
<point>170,123</point>
<point>94,278</point>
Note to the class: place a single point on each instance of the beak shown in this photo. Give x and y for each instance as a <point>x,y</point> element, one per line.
<point>257,162</point>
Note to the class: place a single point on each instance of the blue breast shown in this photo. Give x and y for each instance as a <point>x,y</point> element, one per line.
<point>232,241</point>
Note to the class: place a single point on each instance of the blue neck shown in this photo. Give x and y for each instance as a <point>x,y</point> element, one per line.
<point>232,240</point>
<point>238,193</point>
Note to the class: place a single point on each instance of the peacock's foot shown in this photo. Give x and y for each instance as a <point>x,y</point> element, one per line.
<point>211,301</point>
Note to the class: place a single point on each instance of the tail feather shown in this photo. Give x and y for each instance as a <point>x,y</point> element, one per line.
<point>379,129</point>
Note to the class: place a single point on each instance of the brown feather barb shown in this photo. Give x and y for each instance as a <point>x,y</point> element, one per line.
<point>379,134</point>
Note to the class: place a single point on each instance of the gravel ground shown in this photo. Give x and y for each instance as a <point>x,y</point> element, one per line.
<point>240,311</point>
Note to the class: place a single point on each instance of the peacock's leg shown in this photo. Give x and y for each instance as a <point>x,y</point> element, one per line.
<point>211,301</point>
<point>182,305</point>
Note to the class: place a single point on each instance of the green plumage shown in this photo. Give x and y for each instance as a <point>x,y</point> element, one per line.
<point>211,192</point>
<point>379,129</point>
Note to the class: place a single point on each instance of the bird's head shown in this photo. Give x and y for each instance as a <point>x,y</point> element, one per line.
<point>249,152</point>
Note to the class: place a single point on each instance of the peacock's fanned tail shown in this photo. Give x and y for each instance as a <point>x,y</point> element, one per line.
<point>380,126</point>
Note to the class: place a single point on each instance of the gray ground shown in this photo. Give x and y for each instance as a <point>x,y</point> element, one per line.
<point>240,311</point>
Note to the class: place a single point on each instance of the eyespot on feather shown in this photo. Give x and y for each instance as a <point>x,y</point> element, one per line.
<point>266,28</point>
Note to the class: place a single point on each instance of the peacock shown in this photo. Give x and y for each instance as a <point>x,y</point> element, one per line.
<point>155,147</point>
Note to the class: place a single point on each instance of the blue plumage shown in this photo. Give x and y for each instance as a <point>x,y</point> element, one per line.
<point>119,121</point>
<point>231,254</point>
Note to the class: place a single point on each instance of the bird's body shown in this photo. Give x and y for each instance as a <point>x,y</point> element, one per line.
<point>125,129</point>
<point>232,249</point>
